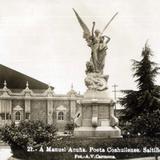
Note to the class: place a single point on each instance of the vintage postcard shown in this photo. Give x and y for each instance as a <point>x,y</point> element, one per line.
<point>79,80</point>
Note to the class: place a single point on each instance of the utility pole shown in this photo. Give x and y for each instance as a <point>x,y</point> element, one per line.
<point>115,95</point>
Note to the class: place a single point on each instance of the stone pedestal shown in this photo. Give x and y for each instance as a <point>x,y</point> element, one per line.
<point>97,116</point>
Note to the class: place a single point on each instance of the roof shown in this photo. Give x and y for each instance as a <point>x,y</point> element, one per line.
<point>17,80</point>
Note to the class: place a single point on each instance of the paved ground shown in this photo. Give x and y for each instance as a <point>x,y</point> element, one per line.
<point>5,153</point>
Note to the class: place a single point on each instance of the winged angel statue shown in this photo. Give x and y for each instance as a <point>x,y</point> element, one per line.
<point>98,44</point>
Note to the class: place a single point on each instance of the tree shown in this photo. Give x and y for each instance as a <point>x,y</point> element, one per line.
<point>142,107</point>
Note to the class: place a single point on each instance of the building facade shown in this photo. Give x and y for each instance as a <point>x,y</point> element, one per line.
<point>35,103</point>
<point>41,105</point>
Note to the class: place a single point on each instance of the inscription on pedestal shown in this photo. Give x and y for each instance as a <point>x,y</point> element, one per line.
<point>87,112</point>
<point>103,112</point>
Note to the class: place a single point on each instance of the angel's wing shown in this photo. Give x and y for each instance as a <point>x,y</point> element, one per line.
<point>110,21</point>
<point>86,31</point>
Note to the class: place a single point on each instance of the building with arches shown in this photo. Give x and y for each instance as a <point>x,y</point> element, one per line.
<point>25,98</point>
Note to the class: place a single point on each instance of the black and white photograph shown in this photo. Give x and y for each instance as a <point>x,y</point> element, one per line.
<point>79,80</point>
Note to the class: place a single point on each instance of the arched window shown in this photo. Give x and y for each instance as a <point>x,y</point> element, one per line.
<point>60,116</point>
<point>17,116</point>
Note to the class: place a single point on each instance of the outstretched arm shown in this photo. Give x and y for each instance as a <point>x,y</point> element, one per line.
<point>93,29</point>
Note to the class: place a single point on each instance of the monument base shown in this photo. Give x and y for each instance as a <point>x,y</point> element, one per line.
<point>101,131</point>
<point>96,116</point>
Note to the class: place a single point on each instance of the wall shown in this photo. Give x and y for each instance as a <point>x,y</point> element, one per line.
<point>41,105</point>
<point>39,110</point>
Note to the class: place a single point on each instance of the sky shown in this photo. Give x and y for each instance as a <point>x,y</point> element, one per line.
<point>42,39</point>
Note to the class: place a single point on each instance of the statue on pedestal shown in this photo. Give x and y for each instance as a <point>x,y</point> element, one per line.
<point>95,39</point>
<point>95,117</point>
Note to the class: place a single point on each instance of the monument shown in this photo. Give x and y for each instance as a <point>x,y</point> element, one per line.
<point>95,117</point>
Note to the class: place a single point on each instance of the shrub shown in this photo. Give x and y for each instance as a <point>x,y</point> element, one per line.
<point>28,134</point>
<point>69,127</point>
<point>36,134</point>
